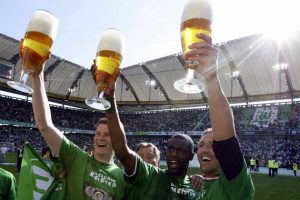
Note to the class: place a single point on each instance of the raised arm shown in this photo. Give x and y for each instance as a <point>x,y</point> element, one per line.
<point>42,114</point>
<point>220,111</point>
<point>118,139</point>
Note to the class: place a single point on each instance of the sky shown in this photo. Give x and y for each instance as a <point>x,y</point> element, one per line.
<point>151,28</point>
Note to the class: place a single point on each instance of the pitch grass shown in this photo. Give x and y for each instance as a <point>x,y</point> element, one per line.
<point>277,188</point>
<point>266,188</point>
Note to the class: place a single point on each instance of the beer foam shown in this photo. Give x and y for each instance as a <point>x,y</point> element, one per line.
<point>197,9</point>
<point>112,40</point>
<point>44,22</point>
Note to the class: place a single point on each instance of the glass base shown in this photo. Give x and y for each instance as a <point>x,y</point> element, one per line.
<point>97,103</point>
<point>20,87</point>
<point>193,86</point>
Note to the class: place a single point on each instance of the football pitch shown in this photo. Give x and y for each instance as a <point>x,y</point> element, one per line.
<point>266,188</point>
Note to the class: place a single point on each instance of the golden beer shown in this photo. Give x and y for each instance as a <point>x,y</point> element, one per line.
<point>108,64</point>
<point>35,50</point>
<point>40,34</point>
<point>108,60</point>
<point>189,30</point>
<point>35,47</point>
<point>196,18</point>
<point>108,57</point>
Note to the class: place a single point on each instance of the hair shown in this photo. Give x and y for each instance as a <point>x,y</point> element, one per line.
<point>148,144</point>
<point>205,132</point>
<point>45,150</point>
<point>101,121</point>
<point>186,137</point>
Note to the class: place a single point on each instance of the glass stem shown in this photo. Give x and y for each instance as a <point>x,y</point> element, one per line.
<point>189,75</point>
<point>24,78</point>
<point>101,94</point>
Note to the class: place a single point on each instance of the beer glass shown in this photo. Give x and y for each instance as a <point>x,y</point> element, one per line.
<point>196,18</point>
<point>35,46</point>
<point>108,61</point>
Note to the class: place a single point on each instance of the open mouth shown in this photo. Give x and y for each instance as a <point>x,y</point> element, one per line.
<point>206,159</point>
<point>173,163</point>
<point>101,145</point>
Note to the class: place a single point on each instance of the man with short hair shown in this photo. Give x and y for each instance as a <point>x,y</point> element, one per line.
<point>219,153</point>
<point>151,182</point>
<point>87,177</point>
<point>149,153</point>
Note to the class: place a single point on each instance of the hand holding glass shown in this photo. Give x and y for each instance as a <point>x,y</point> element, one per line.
<point>108,61</point>
<point>35,47</point>
<point>196,18</point>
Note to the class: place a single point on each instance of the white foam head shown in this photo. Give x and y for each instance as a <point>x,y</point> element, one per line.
<point>44,22</point>
<point>197,9</point>
<point>113,40</point>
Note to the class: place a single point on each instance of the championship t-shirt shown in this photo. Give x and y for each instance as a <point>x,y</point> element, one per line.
<point>8,186</point>
<point>150,182</point>
<point>88,178</point>
<point>239,188</point>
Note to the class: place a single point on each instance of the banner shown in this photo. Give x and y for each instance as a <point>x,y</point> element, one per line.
<point>35,180</point>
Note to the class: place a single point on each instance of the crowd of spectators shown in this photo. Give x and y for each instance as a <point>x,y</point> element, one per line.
<point>173,120</point>
<point>282,148</point>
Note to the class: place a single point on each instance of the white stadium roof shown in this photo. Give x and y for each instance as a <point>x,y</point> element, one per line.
<point>253,57</point>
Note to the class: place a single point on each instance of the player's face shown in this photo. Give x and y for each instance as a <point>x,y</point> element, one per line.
<point>206,156</point>
<point>178,156</point>
<point>102,143</point>
<point>148,155</point>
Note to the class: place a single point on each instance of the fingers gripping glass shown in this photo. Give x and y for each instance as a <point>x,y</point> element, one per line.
<point>108,61</point>
<point>35,46</point>
<point>196,18</point>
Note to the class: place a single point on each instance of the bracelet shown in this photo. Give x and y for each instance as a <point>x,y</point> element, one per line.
<point>112,102</point>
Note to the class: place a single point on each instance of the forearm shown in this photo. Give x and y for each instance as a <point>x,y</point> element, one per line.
<point>118,139</point>
<point>220,112</point>
<point>42,115</point>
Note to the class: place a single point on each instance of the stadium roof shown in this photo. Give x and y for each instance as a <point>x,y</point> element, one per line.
<point>254,57</point>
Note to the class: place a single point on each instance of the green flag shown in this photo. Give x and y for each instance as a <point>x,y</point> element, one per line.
<point>35,177</point>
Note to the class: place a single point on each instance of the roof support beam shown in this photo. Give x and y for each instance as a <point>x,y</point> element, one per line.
<point>49,70</point>
<point>233,68</point>
<point>289,83</point>
<point>128,84</point>
<point>15,58</point>
<point>75,83</point>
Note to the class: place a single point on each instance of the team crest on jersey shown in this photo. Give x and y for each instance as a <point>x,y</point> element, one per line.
<point>96,193</point>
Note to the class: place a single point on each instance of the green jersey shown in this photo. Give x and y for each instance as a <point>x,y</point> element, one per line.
<point>88,178</point>
<point>239,188</point>
<point>150,182</point>
<point>8,186</point>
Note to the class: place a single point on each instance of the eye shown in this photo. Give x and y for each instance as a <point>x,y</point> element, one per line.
<point>171,149</point>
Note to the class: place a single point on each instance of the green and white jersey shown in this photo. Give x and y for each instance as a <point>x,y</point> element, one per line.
<point>150,182</point>
<point>8,187</point>
<point>239,188</point>
<point>89,179</point>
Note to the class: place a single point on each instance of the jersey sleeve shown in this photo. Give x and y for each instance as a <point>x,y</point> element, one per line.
<point>234,176</point>
<point>143,172</point>
<point>69,153</point>
<point>230,157</point>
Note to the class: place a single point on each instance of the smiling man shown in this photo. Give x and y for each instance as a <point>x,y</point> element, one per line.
<point>149,153</point>
<point>87,177</point>
<point>219,153</point>
<point>151,182</point>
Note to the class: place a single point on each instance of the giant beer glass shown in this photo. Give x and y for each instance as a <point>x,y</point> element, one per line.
<point>35,47</point>
<point>108,61</point>
<point>196,18</point>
